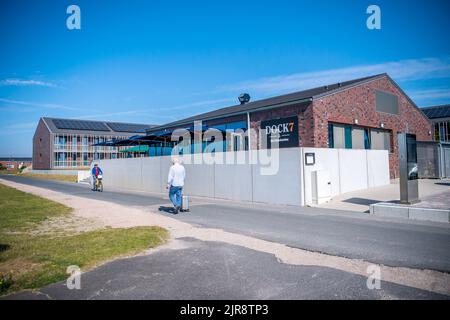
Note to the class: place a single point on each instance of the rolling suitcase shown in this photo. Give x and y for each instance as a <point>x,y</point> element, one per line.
<point>185,204</point>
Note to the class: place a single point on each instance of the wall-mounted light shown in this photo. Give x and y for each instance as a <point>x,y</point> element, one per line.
<point>356,121</point>
<point>382,125</point>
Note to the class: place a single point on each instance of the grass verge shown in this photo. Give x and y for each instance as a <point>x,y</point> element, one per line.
<point>30,261</point>
<point>59,177</point>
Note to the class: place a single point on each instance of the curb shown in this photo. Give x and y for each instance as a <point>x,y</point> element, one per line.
<point>407,212</point>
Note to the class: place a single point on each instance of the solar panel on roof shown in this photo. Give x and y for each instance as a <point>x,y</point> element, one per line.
<point>128,127</point>
<point>438,112</point>
<point>80,125</point>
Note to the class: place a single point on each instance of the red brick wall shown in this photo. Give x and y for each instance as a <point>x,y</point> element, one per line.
<point>359,103</point>
<point>41,147</point>
<point>346,106</point>
<point>305,122</point>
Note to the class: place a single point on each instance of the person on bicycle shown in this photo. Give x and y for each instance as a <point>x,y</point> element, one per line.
<point>95,172</point>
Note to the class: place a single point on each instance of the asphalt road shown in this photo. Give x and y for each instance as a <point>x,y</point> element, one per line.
<point>208,270</point>
<point>389,242</point>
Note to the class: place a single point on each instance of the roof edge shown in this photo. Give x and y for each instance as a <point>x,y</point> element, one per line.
<point>46,124</point>
<point>257,109</point>
<point>436,106</point>
<point>353,85</point>
<point>375,78</point>
<point>273,106</point>
<point>409,99</point>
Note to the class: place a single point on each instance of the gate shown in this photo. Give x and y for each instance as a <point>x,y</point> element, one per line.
<point>433,160</point>
<point>445,160</point>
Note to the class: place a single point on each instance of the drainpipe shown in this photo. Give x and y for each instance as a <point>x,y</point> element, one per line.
<point>249,140</point>
<point>248,131</point>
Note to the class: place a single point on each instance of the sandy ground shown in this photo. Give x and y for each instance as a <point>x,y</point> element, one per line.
<point>102,214</point>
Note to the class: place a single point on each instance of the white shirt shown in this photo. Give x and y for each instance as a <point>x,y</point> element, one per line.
<point>176,175</point>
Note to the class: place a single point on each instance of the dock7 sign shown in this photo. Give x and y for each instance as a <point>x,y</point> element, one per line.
<point>285,131</point>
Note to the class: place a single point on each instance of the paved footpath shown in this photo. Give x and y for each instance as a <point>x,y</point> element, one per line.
<point>337,233</point>
<point>199,270</point>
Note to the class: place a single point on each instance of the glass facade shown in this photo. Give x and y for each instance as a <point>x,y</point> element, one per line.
<point>239,141</point>
<point>76,151</point>
<point>442,131</point>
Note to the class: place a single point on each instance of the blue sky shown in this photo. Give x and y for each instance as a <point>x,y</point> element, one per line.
<point>158,61</point>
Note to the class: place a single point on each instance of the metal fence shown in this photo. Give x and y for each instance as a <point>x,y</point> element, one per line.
<point>433,160</point>
<point>445,160</point>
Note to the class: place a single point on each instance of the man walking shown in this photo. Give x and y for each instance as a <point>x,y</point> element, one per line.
<point>175,183</point>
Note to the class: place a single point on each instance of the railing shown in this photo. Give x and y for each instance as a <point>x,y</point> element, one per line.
<point>63,148</point>
<point>71,164</point>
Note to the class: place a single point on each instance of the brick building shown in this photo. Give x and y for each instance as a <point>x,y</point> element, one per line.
<point>440,117</point>
<point>68,143</point>
<point>365,113</point>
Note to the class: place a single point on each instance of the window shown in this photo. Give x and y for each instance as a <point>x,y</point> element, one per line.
<point>341,136</point>
<point>358,138</point>
<point>330,136</point>
<point>352,137</point>
<point>348,137</point>
<point>338,136</point>
<point>442,131</point>
<point>380,140</point>
<point>239,142</point>
<point>386,102</point>
<point>236,125</point>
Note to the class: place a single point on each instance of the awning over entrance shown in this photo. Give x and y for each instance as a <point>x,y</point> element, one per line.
<point>148,140</point>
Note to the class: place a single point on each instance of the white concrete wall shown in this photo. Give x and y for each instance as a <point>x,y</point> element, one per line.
<point>164,165</point>
<point>378,168</point>
<point>285,186</point>
<point>122,173</point>
<point>234,181</point>
<point>352,170</point>
<point>83,174</point>
<point>326,159</point>
<point>151,174</point>
<point>349,170</point>
<point>200,179</point>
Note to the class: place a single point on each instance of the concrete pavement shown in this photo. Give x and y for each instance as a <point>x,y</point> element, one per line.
<point>433,193</point>
<point>201,270</point>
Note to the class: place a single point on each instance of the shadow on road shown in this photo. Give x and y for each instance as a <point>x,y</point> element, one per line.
<point>166,209</point>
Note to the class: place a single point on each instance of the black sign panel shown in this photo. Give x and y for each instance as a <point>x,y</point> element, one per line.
<point>284,131</point>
